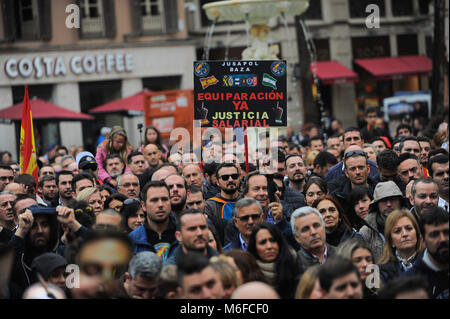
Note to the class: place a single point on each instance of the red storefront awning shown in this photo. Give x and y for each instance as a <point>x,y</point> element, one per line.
<point>130,103</point>
<point>41,109</point>
<point>332,72</point>
<point>396,67</point>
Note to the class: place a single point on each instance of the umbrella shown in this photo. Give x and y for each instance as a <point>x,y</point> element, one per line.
<point>400,108</point>
<point>43,110</point>
<point>131,104</point>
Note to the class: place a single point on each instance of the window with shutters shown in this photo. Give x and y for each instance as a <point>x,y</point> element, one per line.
<point>152,16</point>
<point>27,18</point>
<point>91,18</point>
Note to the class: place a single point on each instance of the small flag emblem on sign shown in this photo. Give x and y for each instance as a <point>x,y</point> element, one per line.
<point>269,81</point>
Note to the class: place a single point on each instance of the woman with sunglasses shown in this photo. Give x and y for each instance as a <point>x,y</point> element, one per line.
<point>275,258</point>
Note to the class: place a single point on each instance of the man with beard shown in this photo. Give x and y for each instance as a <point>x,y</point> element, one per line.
<point>220,207</point>
<point>177,192</point>
<point>128,184</point>
<point>424,195</point>
<point>37,234</point>
<point>49,190</point>
<point>433,262</point>
<point>296,172</point>
<point>387,197</point>
<point>64,183</point>
<point>192,234</point>
<point>158,232</point>
<point>438,169</point>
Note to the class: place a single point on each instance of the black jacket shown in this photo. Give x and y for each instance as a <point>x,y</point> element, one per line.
<point>306,260</point>
<point>341,188</point>
<point>291,200</point>
<point>25,253</point>
<point>179,253</point>
<point>437,280</point>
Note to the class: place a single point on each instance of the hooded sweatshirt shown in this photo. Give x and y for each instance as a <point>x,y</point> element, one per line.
<point>25,252</point>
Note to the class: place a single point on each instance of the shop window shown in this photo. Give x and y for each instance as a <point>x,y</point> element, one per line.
<point>401,8</point>
<point>358,7</point>
<point>154,17</point>
<point>97,18</point>
<point>407,44</point>
<point>370,47</point>
<point>27,20</point>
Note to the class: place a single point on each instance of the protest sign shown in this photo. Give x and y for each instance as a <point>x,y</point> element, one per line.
<point>240,93</point>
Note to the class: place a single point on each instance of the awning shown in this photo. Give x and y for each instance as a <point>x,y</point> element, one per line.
<point>130,104</point>
<point>332,72</point>
<point>41,110</point>
<point>391,68</point>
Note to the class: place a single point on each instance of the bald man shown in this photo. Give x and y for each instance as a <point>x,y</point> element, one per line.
<point>255,290</point>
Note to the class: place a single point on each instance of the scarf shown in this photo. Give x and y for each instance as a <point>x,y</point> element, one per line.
<point>268,270</point>
<point>405,264</point>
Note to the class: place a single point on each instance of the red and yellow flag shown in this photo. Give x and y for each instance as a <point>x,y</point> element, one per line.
<point>28,158</point>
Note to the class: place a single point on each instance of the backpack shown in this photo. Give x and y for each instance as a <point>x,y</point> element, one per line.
<point>227,208</point>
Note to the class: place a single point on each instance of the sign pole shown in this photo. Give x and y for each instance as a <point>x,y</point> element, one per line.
<point>247,168</point>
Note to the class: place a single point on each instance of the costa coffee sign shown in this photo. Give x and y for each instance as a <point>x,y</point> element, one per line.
<point>39,67</point>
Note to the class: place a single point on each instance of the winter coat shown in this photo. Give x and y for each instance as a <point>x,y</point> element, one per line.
<point>437,280</point>
<point>140,240</point>
<point>179,253</point>
<point>306,260</point>
<point>373,236</point>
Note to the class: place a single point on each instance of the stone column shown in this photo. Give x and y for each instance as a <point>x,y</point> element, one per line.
<point>67,95</point>
<point>9,136</point>
<point>131,87</point>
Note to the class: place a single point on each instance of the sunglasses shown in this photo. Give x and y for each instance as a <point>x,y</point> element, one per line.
<point>128,201</point>
<point>247,217</point>
<point>226,177</point>
<point>353,153</point>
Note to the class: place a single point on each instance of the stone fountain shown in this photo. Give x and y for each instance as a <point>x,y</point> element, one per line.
<point>256,14</point>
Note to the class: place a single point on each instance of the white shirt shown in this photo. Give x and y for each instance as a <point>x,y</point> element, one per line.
<point>443,203</point>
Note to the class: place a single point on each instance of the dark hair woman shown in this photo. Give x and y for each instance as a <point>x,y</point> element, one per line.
<point>337,225</point>
<point>276,259</point>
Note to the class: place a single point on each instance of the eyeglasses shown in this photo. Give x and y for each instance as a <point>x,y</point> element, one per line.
<point>247,217</point>
<point>226,177</point>
<point>128,201</point>
<point>353,153</point>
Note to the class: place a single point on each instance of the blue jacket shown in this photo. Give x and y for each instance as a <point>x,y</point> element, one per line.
<point>234,244</point>
<point>141,243</point>
<point>437,280</point>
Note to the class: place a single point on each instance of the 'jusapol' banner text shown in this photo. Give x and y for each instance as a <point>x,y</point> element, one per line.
<point>240,93</point>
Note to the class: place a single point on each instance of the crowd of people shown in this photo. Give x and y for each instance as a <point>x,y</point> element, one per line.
<point>357,214</point>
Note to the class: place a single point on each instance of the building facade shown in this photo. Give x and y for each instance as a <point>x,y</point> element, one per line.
<point>84,53</point>
<point>81,54</point>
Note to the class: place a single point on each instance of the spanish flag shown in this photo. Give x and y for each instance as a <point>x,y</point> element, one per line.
<point>28,158</point>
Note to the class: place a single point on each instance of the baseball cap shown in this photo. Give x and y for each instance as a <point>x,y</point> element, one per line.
<point>86,160</point>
